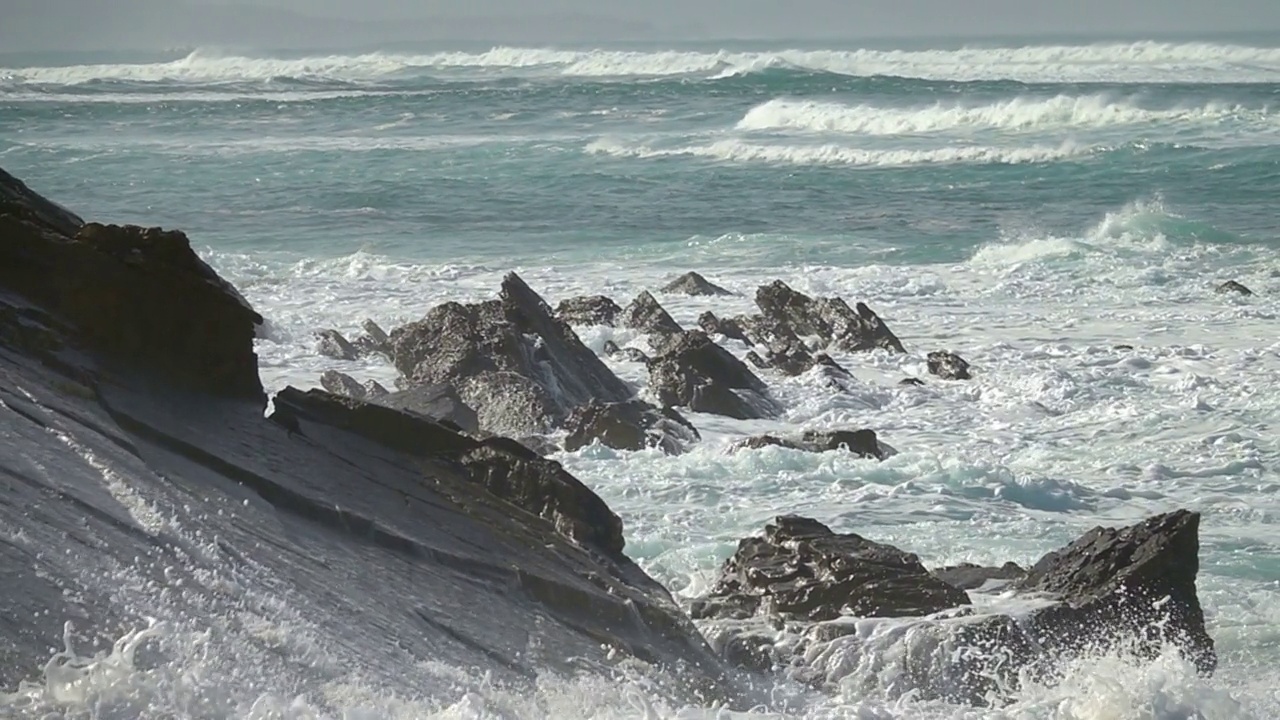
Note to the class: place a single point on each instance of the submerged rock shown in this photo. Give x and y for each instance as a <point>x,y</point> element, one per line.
<point>691,283</point>
<point>692,371</point>
<point>858,442</point>
<point>646,315</point>
<point>632,425</point>
<point>1235,287</point>
<point>802,570</point>
<point>626,353</point>
<point>791,314</point>
<point>911,381</point>
<point>589,310</point>
<point>519,366</point>
<point>948,366</point>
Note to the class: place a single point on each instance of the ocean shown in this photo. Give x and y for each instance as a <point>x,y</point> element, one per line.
<point>1059,213</point>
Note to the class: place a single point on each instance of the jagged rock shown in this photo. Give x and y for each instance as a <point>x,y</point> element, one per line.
<point>801,570</point>
<point>646,315</point>
<point>439,402</point>
<point>692,371</point>
<point>1235,287</point>
<point>859,442</point>
<point>796,360</point>
<point>331,343</point>
<point>375,340</point>
<point>910,381</point>
<point>628,353</point>
<point>518,365</point>
<point>342,384</point>
<point>1137,582</point>
<point>691,283</point>
<point>968,576</point>
<point>373,389</point>
<point>138,296</point>
<point>948,365</point>
<point>589,310</point>
<point>727,327</point>
<point>632,425</point>
<point>787,313</point>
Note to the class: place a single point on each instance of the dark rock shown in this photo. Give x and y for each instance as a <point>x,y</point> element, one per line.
<point>504,467</point>
<point>691,283</point>
<point>632,425</point>
<point>646,315</point>
<point>520,367</point>
<point>140,297</point>
<point>374,341</point>
<point>859,442</point>
<point>692,371</point>
<point>727,327</point>
<point>754,358</point>
<point>1121,347</point>
<point>373,389</point>
<point>588,310</point>
<point>830,319</point>
<point>628,353</point>
<point>1235,287</point>
<point>795,359</point>
<point>801,570</point>
<point>342,384</point>
<point>439,402</point>
<point>948,366</point>
<point>968,576</point>
<point>1137,582</point>
<point>331,343</point>
<point>910,381</point>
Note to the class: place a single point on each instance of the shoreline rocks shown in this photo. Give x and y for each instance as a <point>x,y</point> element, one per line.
<point>948,365</point>
<point>692,371</point>
<point>692,283</point>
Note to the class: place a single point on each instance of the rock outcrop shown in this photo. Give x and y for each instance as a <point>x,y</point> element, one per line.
<point>787,315</point>
<point>692,371</point>
<point>139,296</point>
<point>691,283</point>
<point>1133,587</point>
<point>1231,286</point>
<point>948,366</point>
<point>858,442</point>
<point>589,310</point>
<point>333,344</point>
<point>647,315</point>
<point>632,425</point>
<point>519,366</point>
<point>793,360</point>
<point>801,570</point>
<point>374,341</point>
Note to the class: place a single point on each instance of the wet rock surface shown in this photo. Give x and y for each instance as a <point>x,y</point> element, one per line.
<point>968,576</point>
<point>787,314</point>
<point>331,343</point>
<point>692,371</point>
<point>692,283</point>
<point>519,366</point>
<point>632,425</point>
<point>858,442</point>
<point>629,354</point>
<point>948,365</point>
<point>589,310</point>
<point>647,315</point>
<point>1231,286</point>
<point>440,402</point>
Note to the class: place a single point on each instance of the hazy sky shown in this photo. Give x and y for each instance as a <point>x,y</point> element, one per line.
<point>34,24</point>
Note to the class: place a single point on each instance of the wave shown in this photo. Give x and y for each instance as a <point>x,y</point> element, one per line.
<point>1017,114</point>
<point>1116,62</point>
<point>733,150</point>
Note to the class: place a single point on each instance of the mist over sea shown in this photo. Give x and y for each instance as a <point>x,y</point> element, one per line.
<point>1057,212</point>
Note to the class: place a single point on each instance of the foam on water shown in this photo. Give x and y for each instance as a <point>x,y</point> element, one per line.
<point>1116,62</point>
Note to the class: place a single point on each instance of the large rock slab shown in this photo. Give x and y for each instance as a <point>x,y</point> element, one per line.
<point>521,368</point>
<point>802,570</point>
<point>632,425</point>
<point>692,371</point>
<point>787,315</point>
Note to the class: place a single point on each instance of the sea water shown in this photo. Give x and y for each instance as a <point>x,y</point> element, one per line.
<point>1034,206</point>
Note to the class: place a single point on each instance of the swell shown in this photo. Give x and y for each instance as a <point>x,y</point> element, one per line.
<point>1117,62</point>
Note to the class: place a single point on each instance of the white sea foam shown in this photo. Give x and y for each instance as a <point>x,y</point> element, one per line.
<point>1116,62</point>
<point>737,150</point>
<point>1016,114</point>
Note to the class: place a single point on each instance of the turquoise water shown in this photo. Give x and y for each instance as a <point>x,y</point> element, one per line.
<point>1029,205</point>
